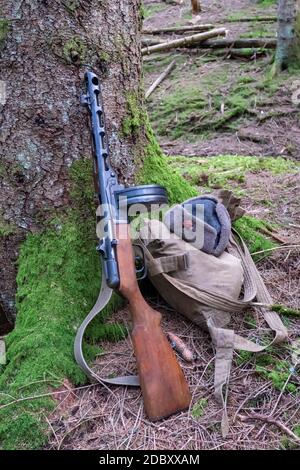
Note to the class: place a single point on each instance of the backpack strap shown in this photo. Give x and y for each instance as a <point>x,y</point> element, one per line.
<point>225,341</point>
<point>167,264</point>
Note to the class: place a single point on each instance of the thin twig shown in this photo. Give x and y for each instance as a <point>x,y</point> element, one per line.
<point>270,420</point>
<point>275,248</point>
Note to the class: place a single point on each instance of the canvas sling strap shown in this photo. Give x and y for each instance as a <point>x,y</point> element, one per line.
<point>226,340</point>
<point>103,299</point>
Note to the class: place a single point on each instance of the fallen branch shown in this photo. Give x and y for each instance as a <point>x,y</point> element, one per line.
<point>267,43</point>
<point>275,248</point>
<point>272,234</point>
<point>160,79</point>
<point>146,42</point>
<point>179,29</point>
<point>184,42</point>
<point>269,19</point>
<point>274,114</point>
<point>268,419</point>
<point>243,53</point>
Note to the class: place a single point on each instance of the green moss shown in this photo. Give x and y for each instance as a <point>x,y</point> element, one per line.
<point>224,170</point>
<point>7,228</point>
<point>198,409</point>
<point>158,63</point>
<point>156,170</point>
<point>266,3</point>
<point>74,51</point>
<point>4,28</point>
<point>243,357</point>
<point>236,17</point>
<point>288,312</point>
<point>249,228</point>
<point>135,117</point>
<point>212,101</point>
<point>261,32</point>
<point>58,282</point>
<point>151,10</point>
<point>275,370</point>
<point>250,321</point>
<point>209,103</point>
<point>104,56</point>
<point>82,190</point>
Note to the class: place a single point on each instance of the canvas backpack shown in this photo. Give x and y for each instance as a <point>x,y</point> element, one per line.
<point>208,289</point>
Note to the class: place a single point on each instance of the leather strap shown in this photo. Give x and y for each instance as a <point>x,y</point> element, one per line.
<point>103,299</point>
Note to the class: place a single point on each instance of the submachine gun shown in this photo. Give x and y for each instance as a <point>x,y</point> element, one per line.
<point>164,388</point>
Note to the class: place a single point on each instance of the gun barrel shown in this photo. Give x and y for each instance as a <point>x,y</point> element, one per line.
<point>106,178</point>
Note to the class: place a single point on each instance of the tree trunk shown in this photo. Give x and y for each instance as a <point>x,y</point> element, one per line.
<point>45,46</point>
<point>196,7</point>
<point>46,190</point>
<point>288,48</point>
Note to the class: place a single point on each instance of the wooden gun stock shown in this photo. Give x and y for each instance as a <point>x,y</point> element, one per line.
<point>164,388</point>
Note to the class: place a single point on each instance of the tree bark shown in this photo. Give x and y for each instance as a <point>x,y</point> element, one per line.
<point>288,48</point>
<point>196,7</point>
<point>45,46</point>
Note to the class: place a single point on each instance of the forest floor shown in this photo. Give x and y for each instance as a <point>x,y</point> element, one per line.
<point>219,119</point>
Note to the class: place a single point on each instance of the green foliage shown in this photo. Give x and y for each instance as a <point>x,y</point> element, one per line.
<point>240,15</point>
<point>151,10</point>
<point>243,357</point>
<point>4,28</point>
<point>276,370</point>
<point>248,228</point>
<point>288,312</point>
<point>223,170</point>
<point>75,51</point>
<point>157,63</point>
<point>250,321</point>
<point>7,228</point>
<point>288,444</point>
<point>210,103</point>
<point>263,31</point>
<point>198,409</point>
<point>266,3</point>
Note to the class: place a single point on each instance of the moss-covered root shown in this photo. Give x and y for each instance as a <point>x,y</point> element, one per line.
<point>58,281</point>
<point>156,170</point>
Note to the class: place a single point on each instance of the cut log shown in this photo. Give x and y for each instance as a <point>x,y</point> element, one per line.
<point>160,79</point>
<point>146,42</point>
<point>244,54</point>
<point>269,19</point>
<point>267,43</point>
<point>180,29</point>
<point>184,42</point>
